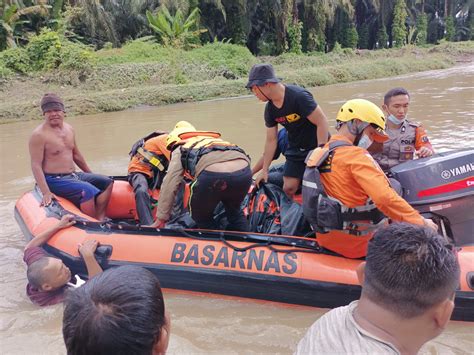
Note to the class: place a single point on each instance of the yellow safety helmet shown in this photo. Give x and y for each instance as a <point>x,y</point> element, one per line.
<point>365,111</point>
<point>179,129</point>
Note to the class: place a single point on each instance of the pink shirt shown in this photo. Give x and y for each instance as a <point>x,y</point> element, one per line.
<point>41,298</point>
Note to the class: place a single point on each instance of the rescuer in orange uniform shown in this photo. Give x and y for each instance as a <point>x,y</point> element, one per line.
<point>351,176</point>
<point>219,170</point>
<point>147,167</point>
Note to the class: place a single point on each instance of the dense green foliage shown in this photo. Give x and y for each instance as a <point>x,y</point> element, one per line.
<point>265,27</point>
<point>399,31</point>
<point>47,51</point>
<point>421,29</point>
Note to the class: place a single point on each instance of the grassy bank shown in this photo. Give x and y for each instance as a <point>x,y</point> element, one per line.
<point>146,74</point>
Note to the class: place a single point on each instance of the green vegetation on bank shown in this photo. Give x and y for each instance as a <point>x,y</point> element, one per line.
<point>114,54</point>
<point>145,73</point>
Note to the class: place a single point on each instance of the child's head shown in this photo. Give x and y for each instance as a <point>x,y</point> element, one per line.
<point>48,274</point>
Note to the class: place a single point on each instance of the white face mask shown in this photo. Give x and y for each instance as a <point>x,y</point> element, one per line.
<point>365,142</point>
<point>395,120</point>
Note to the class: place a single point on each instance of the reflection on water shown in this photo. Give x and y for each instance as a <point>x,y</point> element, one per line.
<point>441,100</point>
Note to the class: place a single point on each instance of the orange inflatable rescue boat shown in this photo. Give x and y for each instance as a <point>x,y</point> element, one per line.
<point>260,266</point>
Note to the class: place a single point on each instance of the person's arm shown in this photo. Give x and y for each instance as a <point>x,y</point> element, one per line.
<point>282,145</point>
<point>318,118</point>
<point>36,147</point>
<point>271,142</point>
<point>169,188</point>
<point>422,143</point>
<point>78,157</point>
<point>258,166</point>
<point>87,252</point>
<point>66,221</point>
<point>375,184</point>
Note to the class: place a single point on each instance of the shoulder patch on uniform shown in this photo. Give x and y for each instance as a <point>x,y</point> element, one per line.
<point>327,164</point>
<point>414,123</point>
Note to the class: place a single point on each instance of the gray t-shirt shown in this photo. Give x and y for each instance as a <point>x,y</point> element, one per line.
<point>338,333</point>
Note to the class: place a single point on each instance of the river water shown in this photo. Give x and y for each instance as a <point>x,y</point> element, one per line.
<point>442,100</point>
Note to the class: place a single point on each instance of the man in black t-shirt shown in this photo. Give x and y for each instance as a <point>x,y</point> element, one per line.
<point>294,108</point>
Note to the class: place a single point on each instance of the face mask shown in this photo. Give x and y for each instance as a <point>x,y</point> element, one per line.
<point>365,142</point>
<point>395,120</point>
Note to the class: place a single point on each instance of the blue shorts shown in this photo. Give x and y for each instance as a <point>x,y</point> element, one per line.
<point>77,187</point>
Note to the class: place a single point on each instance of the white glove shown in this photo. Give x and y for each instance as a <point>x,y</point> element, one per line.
<point>79,282</point>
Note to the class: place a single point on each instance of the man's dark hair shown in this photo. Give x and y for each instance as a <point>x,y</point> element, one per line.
<point>394,92</point>
<point>409,269</point>
<point>35,272</point>
<point>120,311</point>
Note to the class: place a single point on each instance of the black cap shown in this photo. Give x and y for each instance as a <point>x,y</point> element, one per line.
<point>260,74</point>
<point>51,102</point>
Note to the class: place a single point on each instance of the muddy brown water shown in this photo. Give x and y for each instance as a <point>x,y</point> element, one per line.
<point>442,100</point>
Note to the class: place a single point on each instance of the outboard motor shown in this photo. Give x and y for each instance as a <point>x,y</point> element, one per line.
<point>442,187</point>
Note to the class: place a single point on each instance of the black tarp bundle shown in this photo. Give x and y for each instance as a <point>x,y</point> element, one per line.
<point>268,211</point>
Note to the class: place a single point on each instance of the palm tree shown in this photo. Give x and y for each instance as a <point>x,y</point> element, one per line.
<point>174,30</point>
<point>11,13</point>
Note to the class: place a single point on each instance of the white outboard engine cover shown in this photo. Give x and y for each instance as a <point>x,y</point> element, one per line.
<point>442,186</point>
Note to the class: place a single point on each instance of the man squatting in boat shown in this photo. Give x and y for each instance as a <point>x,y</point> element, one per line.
<point>54,153</point>
<point>220,172</point>
<point>48,277</point>
<point>406,138</point>
<point>409,280</point>
<point>350,175</point>
<point>295,109</point>
<point>147,167</point>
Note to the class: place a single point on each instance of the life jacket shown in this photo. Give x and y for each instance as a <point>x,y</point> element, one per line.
<point>399,148</point>
<point>199,144</point>
<point>158,163</point>
<point>325,213</point>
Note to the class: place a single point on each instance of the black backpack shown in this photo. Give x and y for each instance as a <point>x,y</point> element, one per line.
<point>321,211</point>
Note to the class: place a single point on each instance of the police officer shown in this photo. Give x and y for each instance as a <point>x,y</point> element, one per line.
<point>406,138</point>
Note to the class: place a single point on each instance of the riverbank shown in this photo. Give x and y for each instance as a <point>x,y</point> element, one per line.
<point>119,81</point>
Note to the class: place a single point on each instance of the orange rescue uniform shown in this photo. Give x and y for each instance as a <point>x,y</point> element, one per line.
<point>352,177</point>
<point>156,145</point>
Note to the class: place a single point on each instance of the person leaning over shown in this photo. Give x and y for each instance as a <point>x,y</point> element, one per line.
<point>406,138</point>
<point>350,175</point>
<point>294,108</point>
<point>409,280</point>
<point>219,171</point>
<point>54,153</point>
<point>147,167</point>
<point>48,277</point>
<point>121,311</point>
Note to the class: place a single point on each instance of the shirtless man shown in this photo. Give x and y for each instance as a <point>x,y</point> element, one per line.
<point>54,153</point>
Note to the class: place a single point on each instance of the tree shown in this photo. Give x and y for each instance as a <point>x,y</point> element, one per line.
<point>382,36</point>
<point>399,31</point>
<point>294,37</point>
<point>363,36</point>
<point>352,37</point>
<point>11,15</point>
<point>450,31</point>
<point>421,29</point>
<point>174,31</point>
